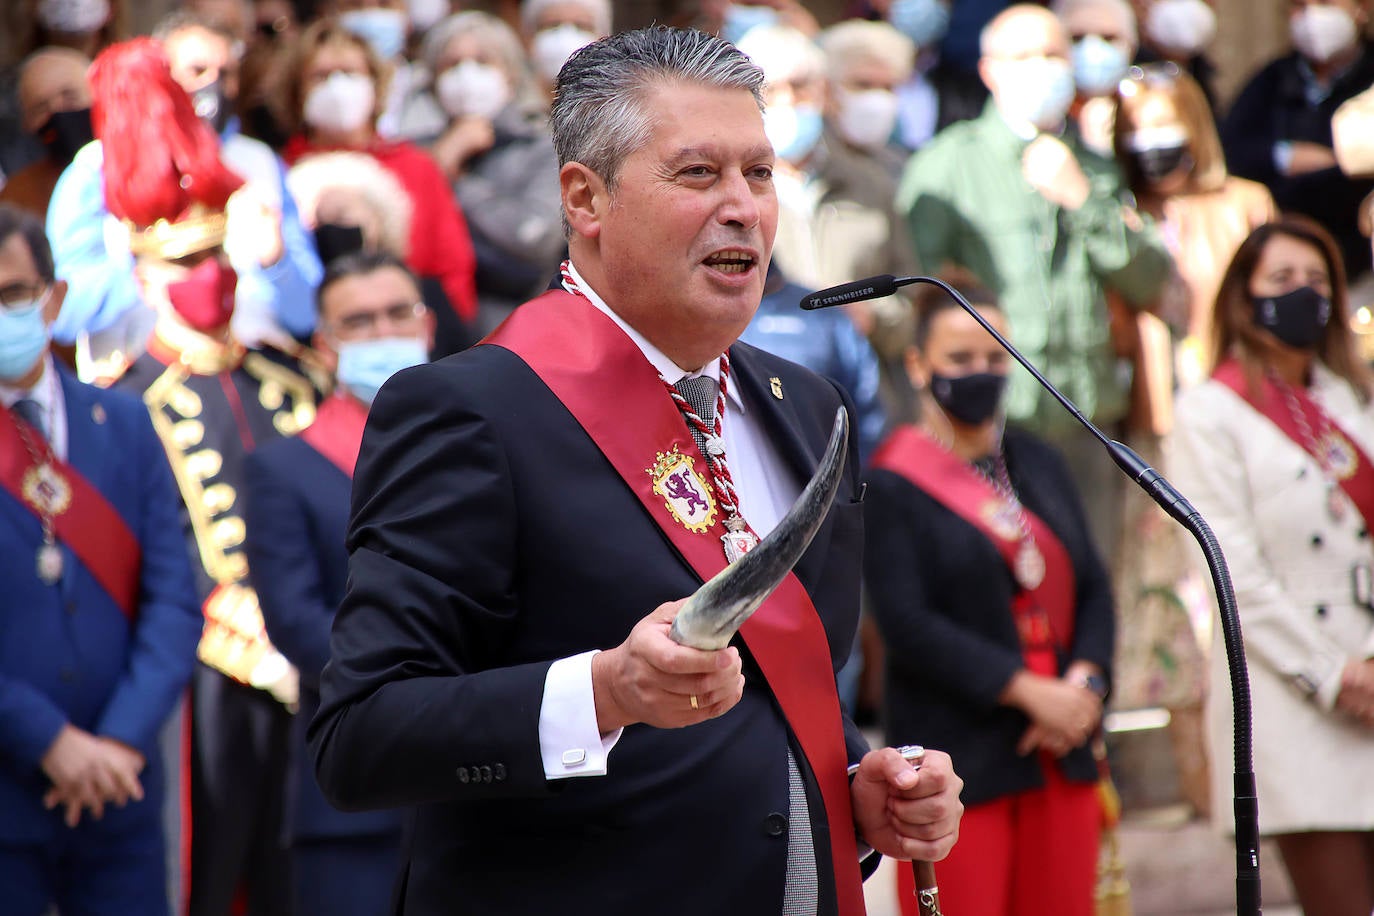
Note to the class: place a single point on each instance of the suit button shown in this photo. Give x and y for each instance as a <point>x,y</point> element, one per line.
<point>486,774</point>
<point>1321,610</point>
<point>775,824</point>
<point>463,775</point>
<point>498,772</point>
<point>1317,542</point>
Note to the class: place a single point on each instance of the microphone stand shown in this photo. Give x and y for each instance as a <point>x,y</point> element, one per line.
<point>1246,805</point>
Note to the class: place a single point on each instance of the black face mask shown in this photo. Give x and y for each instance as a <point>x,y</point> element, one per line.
<point>334,241</point>
<point>211,105</point>
<point>1157,164</point>
<point>65,133</point>
<point>971,399</point>
<point>1297,318</point>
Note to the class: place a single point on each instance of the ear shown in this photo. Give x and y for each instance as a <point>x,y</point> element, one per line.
<point>916,369</point>
<point>56,296</point>
<point>430,325</point>
<point>985,73</point>
<point>585,199</point>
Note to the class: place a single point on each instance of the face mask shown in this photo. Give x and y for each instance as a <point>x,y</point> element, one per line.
<point>364,365</point>
<point>1036,91</point>
<point>1297,318</point>
<point>79,17</point>
<point>1322,32</point>
<point>383,30</point>
<point>1098,65</point>
<point>333,241</point>
<point>971,399</point>
<point>552,48</point>
<point>343,102</point>
<point>793,130</point>
<point>866,119</point>
<point>65,133</point>
<point>205,299</point>
<point>1158,163</point>
<point>740,18</point>
<point>211,105</point>
<point>1184,26</point>
<point>23,338</point>
<point>425,13</point>
<point>473,90</point>
<point>925,22</point>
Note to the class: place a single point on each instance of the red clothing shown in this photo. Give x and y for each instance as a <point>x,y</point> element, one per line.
<point>440,245</point>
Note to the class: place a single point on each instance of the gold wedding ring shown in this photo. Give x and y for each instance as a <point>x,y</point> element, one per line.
<point>694,702</point>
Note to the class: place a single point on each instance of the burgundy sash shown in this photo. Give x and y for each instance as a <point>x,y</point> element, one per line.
<point>89,525</point>
<point>337,432</point>
<point>950,481</point>
<point>603,379</point>
<point>1270,402</point>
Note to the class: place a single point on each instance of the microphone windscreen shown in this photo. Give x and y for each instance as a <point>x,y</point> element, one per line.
<point>867,288</point>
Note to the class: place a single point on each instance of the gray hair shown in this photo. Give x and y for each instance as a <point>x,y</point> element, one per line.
<point>599,116</point>
<point>492,33</point>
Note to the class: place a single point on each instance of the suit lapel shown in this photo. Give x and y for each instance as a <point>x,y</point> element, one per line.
<point>84,443</point>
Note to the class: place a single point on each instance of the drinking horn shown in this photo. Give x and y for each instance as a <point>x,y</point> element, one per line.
<point>716,611</point>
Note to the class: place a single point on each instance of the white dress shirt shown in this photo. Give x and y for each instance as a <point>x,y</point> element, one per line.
<point>570,742</point>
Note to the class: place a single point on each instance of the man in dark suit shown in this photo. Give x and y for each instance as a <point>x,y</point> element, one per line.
<point>373,322</point>
<point>98,622</point>
<point>524,505</point>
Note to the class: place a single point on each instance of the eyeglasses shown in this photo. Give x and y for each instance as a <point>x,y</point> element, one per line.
<point>402,314</point>
<point>1162,74</point>
<point>15,296</point>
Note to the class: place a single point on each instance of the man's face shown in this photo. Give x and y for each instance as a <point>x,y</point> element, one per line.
<point>20,284</point>
<point>198,57</point>
<point>1032,34</point>
<point>52,83</point>
<point>371,306</point>
<point>685,241</point>
<point>867,74</point>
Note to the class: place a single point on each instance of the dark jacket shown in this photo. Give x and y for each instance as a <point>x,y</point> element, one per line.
<point>941,594</point>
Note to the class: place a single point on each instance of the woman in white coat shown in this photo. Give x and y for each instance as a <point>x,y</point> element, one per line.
<point>1275,451</point>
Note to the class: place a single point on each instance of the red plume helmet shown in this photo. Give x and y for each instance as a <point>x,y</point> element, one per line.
<point>163,174</point>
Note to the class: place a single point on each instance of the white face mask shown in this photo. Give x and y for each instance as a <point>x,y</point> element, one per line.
<point>425,13</point>
<point>1322,32</point>
<point>1036,91</point>
<point>343,102</point>
<point>552,48</point>
<point>1184,26</point>
<point>472,89</point>
<point>867,118</point>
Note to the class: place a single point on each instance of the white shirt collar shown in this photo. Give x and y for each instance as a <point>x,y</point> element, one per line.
<point>671,372</point>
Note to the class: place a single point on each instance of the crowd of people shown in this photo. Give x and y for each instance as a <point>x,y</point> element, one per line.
<point>372,368</point>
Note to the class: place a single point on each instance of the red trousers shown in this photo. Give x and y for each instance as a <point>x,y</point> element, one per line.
<point>1029,854</point>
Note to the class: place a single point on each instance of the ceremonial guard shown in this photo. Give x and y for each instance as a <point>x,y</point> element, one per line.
<point>98,623</point>
<point>372,323</point>
<point>212,401</point>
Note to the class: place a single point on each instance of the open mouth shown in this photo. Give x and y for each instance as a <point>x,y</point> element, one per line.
<point>731,261</point>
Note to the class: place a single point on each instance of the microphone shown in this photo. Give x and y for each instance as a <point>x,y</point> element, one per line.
<point>1245,802</point>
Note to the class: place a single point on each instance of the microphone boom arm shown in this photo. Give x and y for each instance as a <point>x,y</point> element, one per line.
<point>1168,498</point>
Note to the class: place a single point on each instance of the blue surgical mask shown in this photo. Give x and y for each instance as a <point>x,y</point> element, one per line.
<point>740,18</point>
<point>925,22</point>
<point>364,365</point>
<point>23,338</point>
<point>1098,65</point>
<point>1036,91</point>
<point>383,30</point>
<point>793,130</point>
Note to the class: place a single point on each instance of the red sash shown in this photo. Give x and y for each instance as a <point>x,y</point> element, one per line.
<point>1357,482</point>
<point>337,432</point>
<point>87,523</point>
<point>950,481</point>
<point>616,396</point>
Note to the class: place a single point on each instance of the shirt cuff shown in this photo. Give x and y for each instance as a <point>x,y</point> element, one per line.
<point>569,741</point>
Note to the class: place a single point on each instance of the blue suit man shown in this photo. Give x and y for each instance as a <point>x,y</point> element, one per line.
<point>88,672</point>
<point>296,505</point>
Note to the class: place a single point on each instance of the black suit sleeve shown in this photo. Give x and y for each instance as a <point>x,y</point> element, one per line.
<point>408,713</point>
